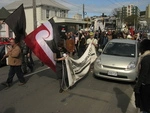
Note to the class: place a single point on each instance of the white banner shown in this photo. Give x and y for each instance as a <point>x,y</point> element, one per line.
<point>99,24</point>
<point>77,69</point>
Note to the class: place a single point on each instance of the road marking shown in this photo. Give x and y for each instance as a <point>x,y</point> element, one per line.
<point>36,72</point>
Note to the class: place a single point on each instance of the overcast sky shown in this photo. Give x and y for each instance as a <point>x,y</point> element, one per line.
<point>93,7</point>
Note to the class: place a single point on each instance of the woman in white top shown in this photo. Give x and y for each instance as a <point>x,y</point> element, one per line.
<point>92,40</point>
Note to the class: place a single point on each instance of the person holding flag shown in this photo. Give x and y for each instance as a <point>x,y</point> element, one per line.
<point>17,23</point>
<point>59,57</point>
<point>14,60</point>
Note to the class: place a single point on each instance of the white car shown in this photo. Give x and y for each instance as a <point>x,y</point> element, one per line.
<point>118,60</point>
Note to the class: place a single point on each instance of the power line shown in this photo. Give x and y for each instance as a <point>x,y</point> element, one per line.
<point>71,4</point>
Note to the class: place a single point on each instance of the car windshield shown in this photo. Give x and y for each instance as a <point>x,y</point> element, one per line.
<point>120,49</point>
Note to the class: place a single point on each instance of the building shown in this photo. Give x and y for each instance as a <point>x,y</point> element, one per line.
<point>45,9</point>
<point>78,16</point>
<point>126,11</point>
<point>5,32</point>
<point>132,10</point>
<point>147,16</point>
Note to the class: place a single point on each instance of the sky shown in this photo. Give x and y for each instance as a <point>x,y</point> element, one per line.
<point>93,7</point>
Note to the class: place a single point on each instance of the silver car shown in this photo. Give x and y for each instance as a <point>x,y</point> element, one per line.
<point>118,60</point>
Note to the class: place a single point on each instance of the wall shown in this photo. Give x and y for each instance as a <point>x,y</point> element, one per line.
<point>4,30</point>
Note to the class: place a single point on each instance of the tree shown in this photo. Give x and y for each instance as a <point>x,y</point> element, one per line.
<point>115,12</point>
<point>131,20</point>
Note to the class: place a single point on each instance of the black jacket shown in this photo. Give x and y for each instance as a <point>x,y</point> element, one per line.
<point>144,73</point>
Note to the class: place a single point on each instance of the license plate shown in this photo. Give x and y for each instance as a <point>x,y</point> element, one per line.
<point>112,73</point>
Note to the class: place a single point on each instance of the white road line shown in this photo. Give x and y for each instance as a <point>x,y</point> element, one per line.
<point>36,72</point>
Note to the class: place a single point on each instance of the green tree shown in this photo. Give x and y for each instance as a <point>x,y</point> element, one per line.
<point>115,12</point>
<point>131,20</point>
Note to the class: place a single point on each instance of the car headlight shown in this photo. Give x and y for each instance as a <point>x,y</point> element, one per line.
<point>132,65</point>
<point>98,62</point>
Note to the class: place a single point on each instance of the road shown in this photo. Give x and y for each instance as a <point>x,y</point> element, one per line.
<point>41,94</point>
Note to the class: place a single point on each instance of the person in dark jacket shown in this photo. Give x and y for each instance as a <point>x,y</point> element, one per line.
<point>142,87</point>
<point>103,40</point>
<point>82,46</point>
<point>60,56</point>
<point>27,61</point>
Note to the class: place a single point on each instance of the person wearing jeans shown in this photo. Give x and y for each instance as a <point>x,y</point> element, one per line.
<point>15,62</point>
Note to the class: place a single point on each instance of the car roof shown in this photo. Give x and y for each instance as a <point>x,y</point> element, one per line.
<point>124,41</point>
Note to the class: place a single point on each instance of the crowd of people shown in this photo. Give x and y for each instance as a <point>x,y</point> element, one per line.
<point>77,42</point>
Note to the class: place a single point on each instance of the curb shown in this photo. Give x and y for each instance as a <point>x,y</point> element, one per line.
<point>131,107</point>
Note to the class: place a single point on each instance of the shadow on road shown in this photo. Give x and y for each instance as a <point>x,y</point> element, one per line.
<point>9,110</point>
<point>122,98</point>
<point>82,96</point>
<point>2,87</point>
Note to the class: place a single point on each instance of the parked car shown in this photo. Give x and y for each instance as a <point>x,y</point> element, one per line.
<point>118,60</point>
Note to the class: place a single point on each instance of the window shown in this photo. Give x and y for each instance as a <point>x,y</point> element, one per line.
<point>2,30</point>
<point>10,33</point>
<point>63,13</point>
<point>55,13</point>
<point>2,34</point>
<point>47,13</point>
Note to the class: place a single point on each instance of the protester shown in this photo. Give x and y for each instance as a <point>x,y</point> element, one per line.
<point>82,46</point>
<point>76,42</point>
<point>142,87</point>
<point>103,40</point>
<point>27,60</point>
<point>59,57</point>
<point>15,62</point>
<point>70,44</point>
<point>134,37</point>
<point>96,35</point>
<point>92,40</point>
<point>87,35</point>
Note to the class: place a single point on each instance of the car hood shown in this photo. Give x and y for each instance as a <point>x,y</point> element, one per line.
<point>116,61</point>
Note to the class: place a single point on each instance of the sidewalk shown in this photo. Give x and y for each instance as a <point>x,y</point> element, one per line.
<point>131,107</point>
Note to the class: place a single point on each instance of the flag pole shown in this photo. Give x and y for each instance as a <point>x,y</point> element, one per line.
<point>34,14</point>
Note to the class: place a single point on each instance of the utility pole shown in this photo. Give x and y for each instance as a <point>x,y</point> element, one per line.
<point>34,14</point>
<point>83,12</point>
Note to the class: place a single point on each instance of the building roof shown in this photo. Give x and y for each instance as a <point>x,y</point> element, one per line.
<point>28,4</point>
<point>70,20</point>
<point>3,13</point>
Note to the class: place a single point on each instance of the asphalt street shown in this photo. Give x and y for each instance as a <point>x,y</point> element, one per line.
<point>41,94</point>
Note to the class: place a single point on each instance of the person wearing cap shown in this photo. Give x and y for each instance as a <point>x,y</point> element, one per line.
<point>92,40</point>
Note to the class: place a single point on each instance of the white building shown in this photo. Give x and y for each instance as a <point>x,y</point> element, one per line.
<point>78,16</point>
<point>45,9</point>
<point>132,10</point>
